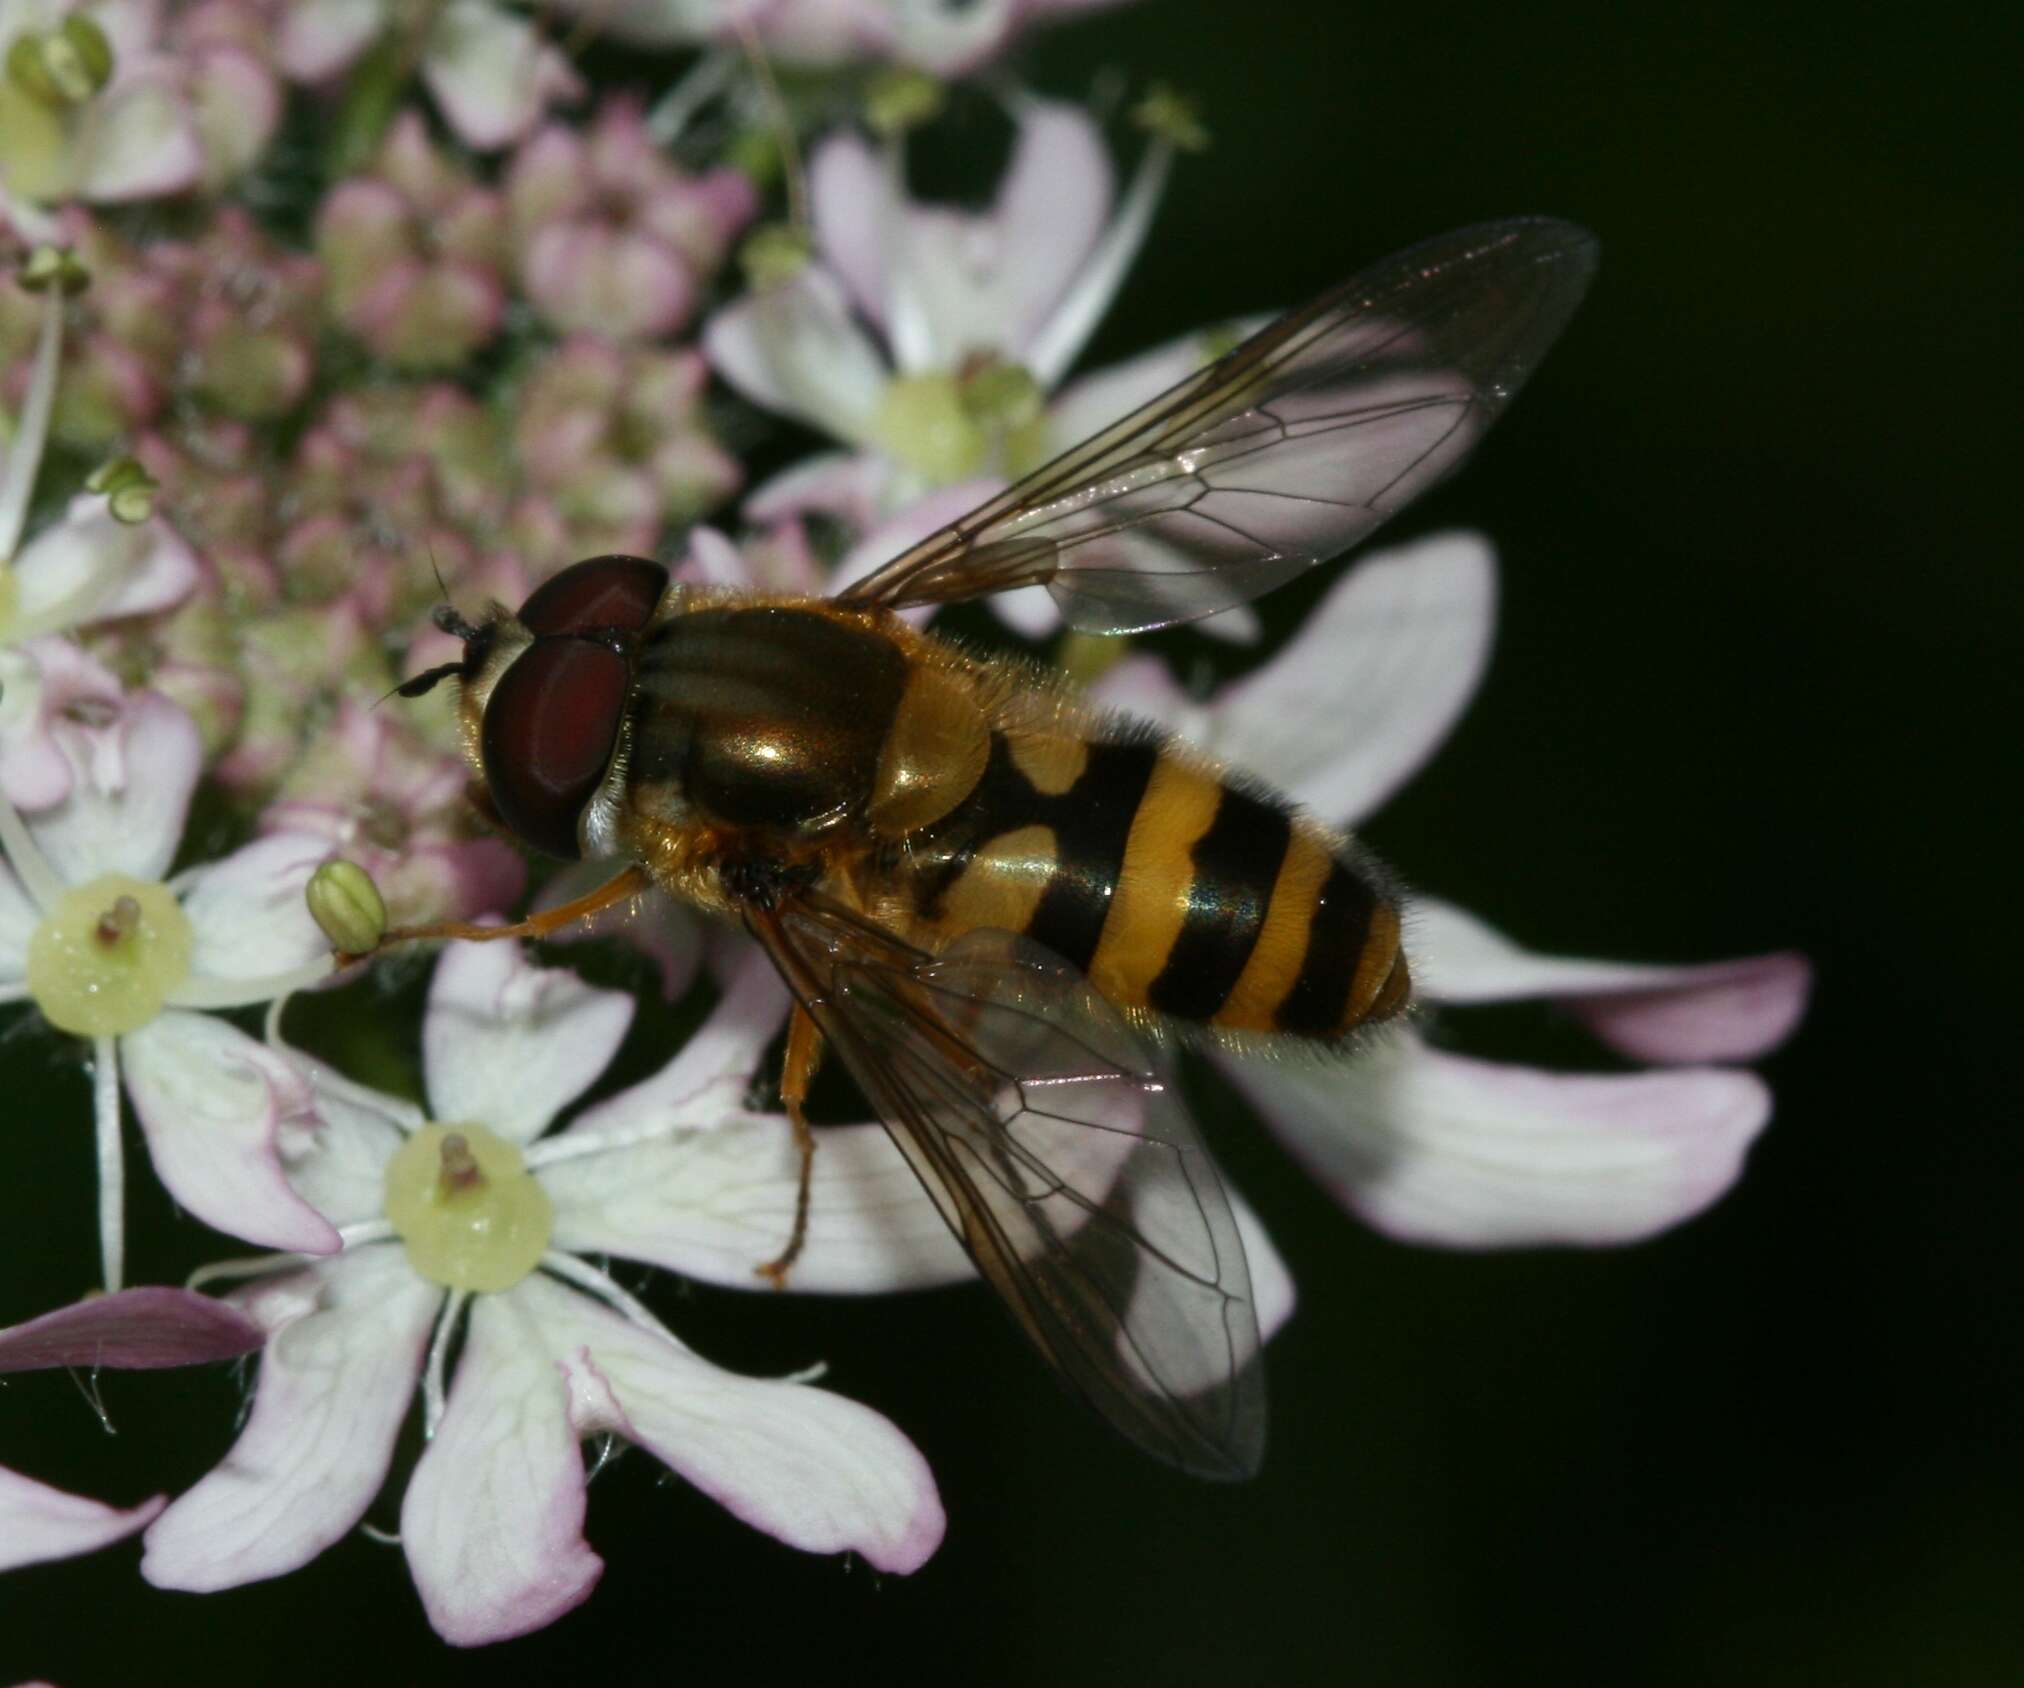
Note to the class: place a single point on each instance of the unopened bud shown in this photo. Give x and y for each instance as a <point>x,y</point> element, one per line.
<point>65,66</point>
<point>901,98</point>
<point>775,253</point>
<point>129,490</point>
<point>346,904</point>
<point>53,266</point>
<point>1171,117</point>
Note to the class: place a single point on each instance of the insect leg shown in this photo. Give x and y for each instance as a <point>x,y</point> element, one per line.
<point>633,882</point>
<point>797,1073</point>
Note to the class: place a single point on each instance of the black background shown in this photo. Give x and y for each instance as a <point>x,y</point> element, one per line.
<point>1754,687</point>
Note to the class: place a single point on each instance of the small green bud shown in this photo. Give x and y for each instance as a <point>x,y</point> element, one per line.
<point>346,904</point>
<point>1171,117</point>
<point>53,266</point>
<point>900,98</point>
<point>774,253</point>
<point>63,67</point>
<point>129,489</point>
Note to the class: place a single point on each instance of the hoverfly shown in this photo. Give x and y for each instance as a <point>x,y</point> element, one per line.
<point>983,894</point>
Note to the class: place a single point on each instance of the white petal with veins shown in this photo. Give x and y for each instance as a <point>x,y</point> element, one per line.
<point>335,1383</point>
<point>508,1045</point>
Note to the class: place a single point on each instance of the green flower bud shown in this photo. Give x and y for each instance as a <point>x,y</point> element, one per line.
<point>775,253</point>
<point>129,489</point>
<point>900,98</point>
<point>1170,117</point>
<point>53,266</point>
<point>346,904</point>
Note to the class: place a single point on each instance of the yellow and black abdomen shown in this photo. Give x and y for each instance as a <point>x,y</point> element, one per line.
<point>1180,891</point>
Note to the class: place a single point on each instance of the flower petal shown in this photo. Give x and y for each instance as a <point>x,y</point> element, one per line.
<point>214,1106</point>
<point>1371,683</point>
<point>141,1329</point>
<point>491,73</point>
<point>910,524</point>
<point>38,1522</point>
<point>1434,1148</point>
<point>984,284</point>
<point>1715,1011</point>
<point>851,203</point>
<point>850,486</point>
<point>715,1202</point>
<point>342,1171</point>
<point>492,1522</point>
<point>318,38</point>
<point>248,913</point>
<point>103,567</point>
<point>336,1378</point>
<point>132,826</point>
<point>813,1469</point>
<point>140,141</point>
<point>509,1045</point>
<point>794,347</point>
<point>1272,1294</point>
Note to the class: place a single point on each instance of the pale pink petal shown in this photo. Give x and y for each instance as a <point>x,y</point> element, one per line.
<point>906,526</point>
<point>49,687</point>
<point>140,141</point>
<point>813,1469</point>
<point>1091,403</point>
<point>1144,686</point>
<point>1434,1148</point>
<point>794,347</point>
<point>319,38</point>
<point>1373,681</point>
<point>1714,1011</point>
<point>106,568</point>
<point>508,1045</point>
<point>248,912</point>
<point>133,827</point>
<point>336,1379</point>
<point>492,73</point>
<point>850,200</point>
<point>492,1522</point>
<point>951,40</point>
<point>219,1110</point>
<point>849,485</point>
<point>711,1071</point>
<point>38,1523</point>
<point>144,1329</point>
<point>715,1202</point>
<point>341,1171</point>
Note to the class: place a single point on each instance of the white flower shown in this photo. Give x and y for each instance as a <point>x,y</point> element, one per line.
<point>1430,1146</point>
<point>94,933</point>
<point>88,567</point>
<point>478,1211</point>
<point>926,338</point>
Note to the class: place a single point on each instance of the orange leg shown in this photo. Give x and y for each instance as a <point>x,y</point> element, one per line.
<point>632,882</point>
<point>797,1073</point>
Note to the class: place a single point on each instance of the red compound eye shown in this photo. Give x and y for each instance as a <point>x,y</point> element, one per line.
<point>549,729</point>
<point>600,592</point>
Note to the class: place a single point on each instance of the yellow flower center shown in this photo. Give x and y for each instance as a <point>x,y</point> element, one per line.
<point>107,957</point>
<point>10,599</point>
<point>471,1214</point>
<point>923,423</point>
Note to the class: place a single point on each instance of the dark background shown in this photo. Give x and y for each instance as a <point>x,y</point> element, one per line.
<point>1754,685</point>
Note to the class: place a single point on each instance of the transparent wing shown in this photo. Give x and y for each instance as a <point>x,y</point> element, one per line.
<point>1032,1114</point>
<point>1291,448</point>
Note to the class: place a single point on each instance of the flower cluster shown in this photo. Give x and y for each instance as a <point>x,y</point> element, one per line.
<point>317,317</point>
